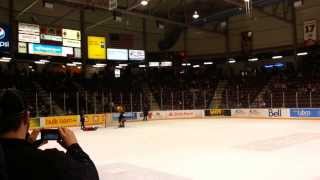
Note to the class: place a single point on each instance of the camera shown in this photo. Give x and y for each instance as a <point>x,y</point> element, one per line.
<point>50,134</point>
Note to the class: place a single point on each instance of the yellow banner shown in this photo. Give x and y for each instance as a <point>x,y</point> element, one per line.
<point>95,119</point>
<point>96,47</point>
<point>34,123</point>
<point>61,121</point>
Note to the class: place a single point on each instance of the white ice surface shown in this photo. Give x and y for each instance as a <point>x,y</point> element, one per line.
<point>210,149</point>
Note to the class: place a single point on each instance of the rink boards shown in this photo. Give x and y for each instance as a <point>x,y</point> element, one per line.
<point>104,120</point>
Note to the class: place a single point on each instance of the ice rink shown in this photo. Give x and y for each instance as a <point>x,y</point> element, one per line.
<point>210,149</point>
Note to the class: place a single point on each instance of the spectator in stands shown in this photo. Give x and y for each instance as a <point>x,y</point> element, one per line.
<point>23,160</point>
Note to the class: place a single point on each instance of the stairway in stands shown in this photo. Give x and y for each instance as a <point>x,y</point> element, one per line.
<point>45,97</point>
<point>217,99</point>
<point>154,106</point>
<point>261,94</point>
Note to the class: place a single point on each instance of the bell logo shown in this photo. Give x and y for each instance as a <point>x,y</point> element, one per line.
<point>2,33</point>
<point>275,113</point>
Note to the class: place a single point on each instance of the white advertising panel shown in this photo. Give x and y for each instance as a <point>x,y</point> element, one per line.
<point>71,43</point>
<point>77,53</point>
<point>22,47</point>
<point>71,34</point>
<point>138,55</point>
<point>117,54</point>
<point>67,51</point>
<point>29,28</point>
<point>31,38</point>
<point>260,113</point>
<point>51,37</point>
<point>185,114</point>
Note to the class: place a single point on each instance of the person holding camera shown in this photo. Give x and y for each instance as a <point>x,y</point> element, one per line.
<point>20,157</point>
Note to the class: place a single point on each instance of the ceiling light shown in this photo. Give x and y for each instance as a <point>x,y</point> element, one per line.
<point>39,62</point>
<point>71,64</point>
<point>277,57</point>
<point>232,61</point>
<point>253,59</point>
<point>196,15</point>
<point>99,65</point>
<point>142,66</point>
<point>77,63</point>
<point>144,2</point>
<point>302,54</point>
<point>44,60</point>
<point>123,65</point>
<point>208,63</point>
<point>6,58</point>
<point>196,66</point>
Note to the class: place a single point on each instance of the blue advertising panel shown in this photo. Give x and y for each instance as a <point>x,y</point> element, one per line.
<point>305,113</point>
<point>4,38</point>
<point>42,49</point>
<point>127,116</point>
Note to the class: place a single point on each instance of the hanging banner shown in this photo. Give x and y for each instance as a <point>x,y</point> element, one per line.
<point>96,47</point>
<point>310,33</point>
<point>31,29</point>
<point>71,34</point>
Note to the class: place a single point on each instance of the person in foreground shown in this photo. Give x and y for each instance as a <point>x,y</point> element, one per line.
<point>19,153</point>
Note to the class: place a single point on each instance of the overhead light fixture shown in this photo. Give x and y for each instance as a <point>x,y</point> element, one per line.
<point>195,15</point>
<point>302,54</point>
<point>77,63</point>
<point>208,63</point>
<point>44,60</point>
<point>39,62</point>
<point>166,64</point>
<point>48,5</point>
<point>232,61</point>
<point>6,58</point>
<point>71,64</point>
<point>79,67</point>
<point>160,25</point>
<point>123,65</point>
<point>99,65</point>
<point>188,64</point>
<point>142,66</point>
<point>144,2</point>
<point>3,60</point>
<point>277,57</point>
<point>253,59</point>
<point>30,67</point>
<point>184,64</point>
<point>196,66</point>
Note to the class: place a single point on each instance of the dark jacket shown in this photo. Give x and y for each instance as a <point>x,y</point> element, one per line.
<point>24,161</point>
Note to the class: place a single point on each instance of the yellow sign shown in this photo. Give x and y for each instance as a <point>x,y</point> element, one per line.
<point>96,47</point>
<point>34,123</point>
<point>95,119</point>
<point>61,121</point>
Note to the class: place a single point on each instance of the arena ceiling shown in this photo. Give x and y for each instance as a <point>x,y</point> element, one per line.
<point>173,12</point>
